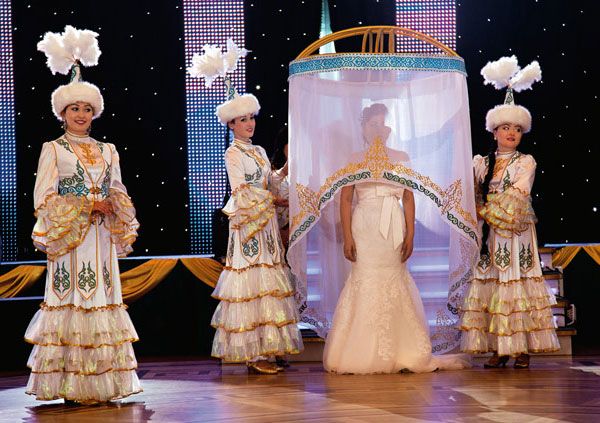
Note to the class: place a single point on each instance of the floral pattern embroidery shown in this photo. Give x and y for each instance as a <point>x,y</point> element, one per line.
<point>250,248</point>
<point>104,188</point>
<point>484,262</point>
<point>87,278</point>
<point>506,183</point>
<point>525,257</point>
<point>502,256</point>
<point>106,276</point>
<point>270,243</point>
<point>61,281</point>
<point>64,144</point>
<point>74,184</point>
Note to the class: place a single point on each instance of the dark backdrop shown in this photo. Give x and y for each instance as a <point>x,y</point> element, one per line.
<point>141,75</point>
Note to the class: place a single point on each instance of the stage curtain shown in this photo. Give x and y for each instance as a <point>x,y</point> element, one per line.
<point>138,281</point>
<point>19,279</point>
<point>135,282</point>
<point>593,251</point>
<point>565,255</point>
<point>205,269</point>
<point>562,257</point>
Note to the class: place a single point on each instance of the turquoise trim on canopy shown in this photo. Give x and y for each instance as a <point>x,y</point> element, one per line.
<point>376,61</point>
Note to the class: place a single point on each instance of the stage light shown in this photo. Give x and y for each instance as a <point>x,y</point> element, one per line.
<point>436,18</point>
<point>8,165</point>
<point>208,22</point>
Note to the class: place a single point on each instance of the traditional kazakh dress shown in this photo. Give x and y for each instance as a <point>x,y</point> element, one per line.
<point>82,333</point>
<point>508,307</point>
<point>257,315</point>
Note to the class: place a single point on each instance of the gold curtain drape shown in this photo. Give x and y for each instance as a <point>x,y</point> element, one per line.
<point>19,279</point>
<point>207,271</point>
<point>135,282</point>
<point>564,256</point>
<point>143,278</point>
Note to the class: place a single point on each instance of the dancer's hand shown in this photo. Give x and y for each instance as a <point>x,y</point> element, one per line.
<point>407,248</point>
<point>350,249</point>
<point>105,207</point>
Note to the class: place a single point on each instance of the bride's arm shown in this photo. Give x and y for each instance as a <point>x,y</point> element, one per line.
<point>408,203</point>
<point>346,218</point>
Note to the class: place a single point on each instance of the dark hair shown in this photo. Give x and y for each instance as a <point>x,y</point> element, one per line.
<point>485,189</point>
<point>374,109</point>
<point>281,140</point>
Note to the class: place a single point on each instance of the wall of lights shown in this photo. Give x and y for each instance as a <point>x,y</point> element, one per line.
<point>8,165</point>
<point>208,22</point>
<point>436,18</point>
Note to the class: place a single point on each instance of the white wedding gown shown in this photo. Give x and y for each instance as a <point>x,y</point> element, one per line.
<point>379,325</point>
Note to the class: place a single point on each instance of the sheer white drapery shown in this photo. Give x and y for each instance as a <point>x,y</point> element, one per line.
<point>428,114</point>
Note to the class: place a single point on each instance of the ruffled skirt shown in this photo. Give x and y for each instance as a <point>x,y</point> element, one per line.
<point>508,306</point>
<point>257,314</point>
<point>84,355</point>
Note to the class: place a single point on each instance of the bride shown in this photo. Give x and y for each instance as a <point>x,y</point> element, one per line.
<point>379,324</point>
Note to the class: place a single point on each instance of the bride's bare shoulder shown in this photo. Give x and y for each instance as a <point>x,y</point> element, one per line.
<point>397,155</point>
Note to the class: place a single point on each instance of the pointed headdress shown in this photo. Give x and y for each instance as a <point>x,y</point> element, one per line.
<point>506,73</point>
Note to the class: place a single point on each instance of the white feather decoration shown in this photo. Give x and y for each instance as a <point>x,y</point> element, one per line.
<point>63,50</point>
<point>82,44</point>
<point>59,60</point>
<point>209,65</point>
<point>233,54</point>
<point>525,78</point>
<point>498,73</point>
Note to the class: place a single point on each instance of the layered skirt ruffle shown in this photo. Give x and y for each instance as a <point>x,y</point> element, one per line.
<point>510,318</point>
<point>257,314</point>
<point>84,355</point>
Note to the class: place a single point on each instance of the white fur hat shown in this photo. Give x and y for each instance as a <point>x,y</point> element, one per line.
<point>505,72</point>
<point>74,92</point>
<point>508,113</point>
<point>67,52</point>
<point>236,107</point>
<point>213,64</point>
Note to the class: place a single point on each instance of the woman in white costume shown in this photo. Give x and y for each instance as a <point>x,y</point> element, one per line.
<point>508,307</point>
<point>82,334</point>
<point>256,318</point>
<point>379,325</point>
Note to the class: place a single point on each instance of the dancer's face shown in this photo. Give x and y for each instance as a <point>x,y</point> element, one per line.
<point>375,128</point>
<point>508,136</point>
<point>243,127</point>
<point>78,117</point>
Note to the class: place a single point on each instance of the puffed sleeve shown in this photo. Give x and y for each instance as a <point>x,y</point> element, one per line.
<point>523,180</point>
<point>479,168</point>
<point>249,208</point>
<point>510,212</point>
<point>123,223</point>
<point>62,221</point>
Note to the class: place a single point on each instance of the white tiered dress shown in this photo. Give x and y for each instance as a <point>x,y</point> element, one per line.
<point>508,307</point>
<point>82,333</point>
<point>257,315</point>
<point>379,325</point>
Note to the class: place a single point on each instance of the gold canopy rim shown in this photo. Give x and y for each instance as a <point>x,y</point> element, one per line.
<point>374,38</point>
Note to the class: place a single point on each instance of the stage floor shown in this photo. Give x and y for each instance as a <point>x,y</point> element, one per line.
<point>554,389</point>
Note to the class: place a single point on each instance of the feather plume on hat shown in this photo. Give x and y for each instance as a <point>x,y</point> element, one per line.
<point>66,53</point>
<point>505,72</point>
<point>214,64</point>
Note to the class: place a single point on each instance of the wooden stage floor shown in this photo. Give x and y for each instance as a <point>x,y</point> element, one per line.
<point>554,389</point>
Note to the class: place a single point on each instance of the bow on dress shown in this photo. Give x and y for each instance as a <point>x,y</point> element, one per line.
<point>392,216</point>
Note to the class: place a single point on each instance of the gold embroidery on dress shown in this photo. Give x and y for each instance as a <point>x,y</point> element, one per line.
<point>87,153</point>
<point>252,153</point>
<point>377,161</point>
